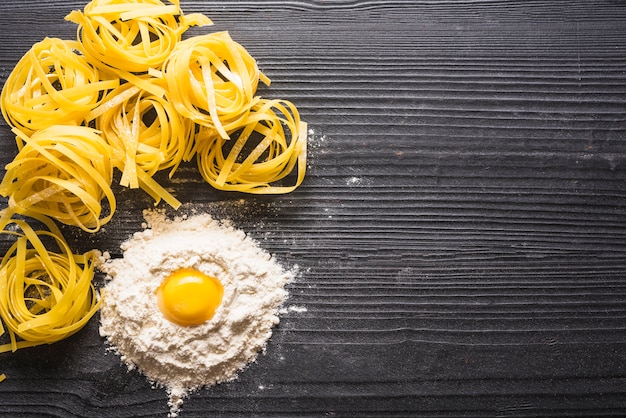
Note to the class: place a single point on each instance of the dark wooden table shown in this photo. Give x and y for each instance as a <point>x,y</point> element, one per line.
<point>461,233</point>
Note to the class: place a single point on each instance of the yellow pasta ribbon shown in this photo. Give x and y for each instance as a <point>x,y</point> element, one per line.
<point>45,296</point>
<point>52,84</point>
<point>64,172</point>
<point>264,151</point>
<point>212,81</point>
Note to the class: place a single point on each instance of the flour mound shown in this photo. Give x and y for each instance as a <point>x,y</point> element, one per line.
<point>182,359</point>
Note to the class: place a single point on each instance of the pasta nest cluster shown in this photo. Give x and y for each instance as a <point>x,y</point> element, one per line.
<point>156,100</point>
<point>129,93</point>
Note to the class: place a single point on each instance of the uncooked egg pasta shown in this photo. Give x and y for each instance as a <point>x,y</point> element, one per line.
<point>145,131</point>
<point>276,150</point>
<point>131,36</point>
<point>158,92</point>
<point>63,172</point>
<point>45,296</point>
<point>52,84</point>
<point>212,80</point>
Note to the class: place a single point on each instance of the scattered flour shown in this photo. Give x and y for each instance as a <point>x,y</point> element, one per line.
<point>293,308</point>
<point>182,359</point>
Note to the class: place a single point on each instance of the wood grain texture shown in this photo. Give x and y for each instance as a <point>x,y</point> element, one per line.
<point>461,233</point>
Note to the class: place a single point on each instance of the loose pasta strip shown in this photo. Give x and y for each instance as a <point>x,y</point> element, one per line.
<point>63,172</point>
<point>132,36</point>
<point>212,81</point>
<point>270,144</point>
<point>52,84</point>
<point>45,296</point>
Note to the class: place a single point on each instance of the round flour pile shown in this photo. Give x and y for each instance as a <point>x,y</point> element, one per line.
<point>178,358</point>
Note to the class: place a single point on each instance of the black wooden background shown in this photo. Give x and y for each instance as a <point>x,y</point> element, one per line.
<point>461,233</point>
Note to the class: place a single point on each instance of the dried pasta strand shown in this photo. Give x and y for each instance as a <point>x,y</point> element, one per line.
<point>15,345</point>
<point>63,172</point>
<point>212,81</point>
<point>262,153</point>
<point>154,189</point>
<point>45,296</point>
<point>53,83</point>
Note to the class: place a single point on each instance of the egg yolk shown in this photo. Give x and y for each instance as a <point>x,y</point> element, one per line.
<point>189,297</point>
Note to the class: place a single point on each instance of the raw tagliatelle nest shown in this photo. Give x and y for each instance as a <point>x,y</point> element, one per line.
<point>52,83</point>
<point>63,172</point>
<point>271,154</point>
<point>45,295</point>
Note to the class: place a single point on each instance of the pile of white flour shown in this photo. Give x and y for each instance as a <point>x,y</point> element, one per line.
<point>182,359</point>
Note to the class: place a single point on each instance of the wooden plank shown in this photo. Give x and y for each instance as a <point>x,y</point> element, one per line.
<point>460,234</point>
